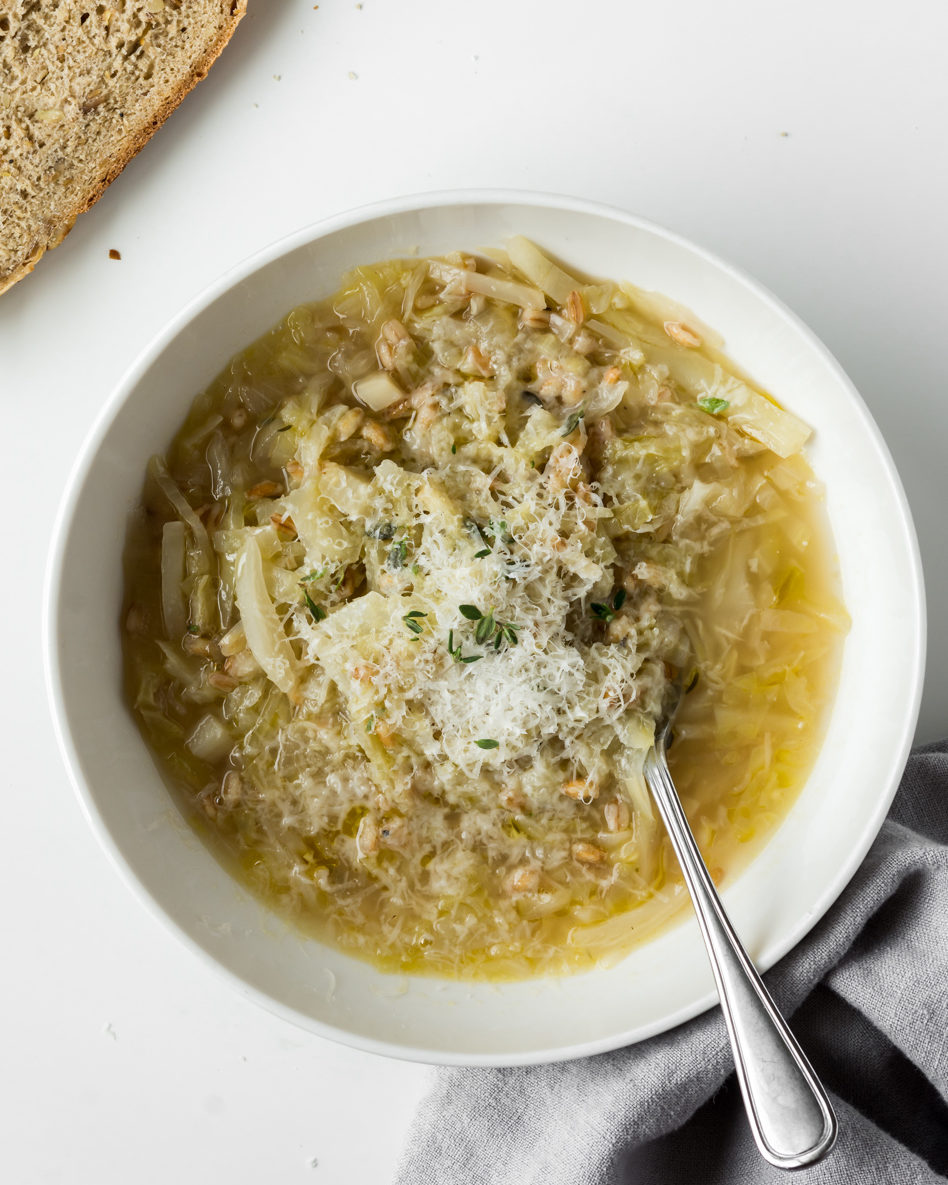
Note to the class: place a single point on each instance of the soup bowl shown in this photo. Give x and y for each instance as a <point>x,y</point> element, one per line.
<point>778,896</point>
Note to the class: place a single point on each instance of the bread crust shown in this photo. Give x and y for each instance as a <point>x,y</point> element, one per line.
<point>120,158</point>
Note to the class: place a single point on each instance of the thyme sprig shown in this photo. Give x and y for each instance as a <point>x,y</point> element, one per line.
<point>606,612</point>
<point>488,631</point>
<point>455,651</point>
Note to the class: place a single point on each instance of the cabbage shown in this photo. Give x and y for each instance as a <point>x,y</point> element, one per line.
<point>173,609</point>
<point>539,270</point>
<point>265,637</point>
<point>159,471</point>
<point>210,740</point>
<point>508,291</point>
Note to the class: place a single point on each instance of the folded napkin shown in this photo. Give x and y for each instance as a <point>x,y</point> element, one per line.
<point>868,993</point>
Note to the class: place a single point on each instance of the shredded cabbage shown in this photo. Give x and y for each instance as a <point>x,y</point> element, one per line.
<point>265,637</point>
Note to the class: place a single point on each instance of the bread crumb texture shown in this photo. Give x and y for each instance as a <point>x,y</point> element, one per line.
<point>82,88</point>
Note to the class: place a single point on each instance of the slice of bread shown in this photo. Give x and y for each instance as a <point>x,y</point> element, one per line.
<point>82,87</point>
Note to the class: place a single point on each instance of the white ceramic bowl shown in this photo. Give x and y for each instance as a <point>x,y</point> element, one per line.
<point>781,894</point>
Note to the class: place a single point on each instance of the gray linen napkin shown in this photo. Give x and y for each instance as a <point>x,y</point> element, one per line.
<point>869,987</point>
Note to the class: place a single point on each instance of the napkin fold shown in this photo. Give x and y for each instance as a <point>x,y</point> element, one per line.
<point>868,993</point>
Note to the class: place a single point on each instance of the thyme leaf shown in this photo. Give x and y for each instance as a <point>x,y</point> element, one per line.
<point>712,404</point>
<point>485,629</point>
<point>318,612</point>
<point>572,420</point>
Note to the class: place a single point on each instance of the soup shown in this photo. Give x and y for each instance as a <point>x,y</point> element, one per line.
<point>407,594</point>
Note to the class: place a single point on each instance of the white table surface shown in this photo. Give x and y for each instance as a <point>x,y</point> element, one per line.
<point>805,142</point>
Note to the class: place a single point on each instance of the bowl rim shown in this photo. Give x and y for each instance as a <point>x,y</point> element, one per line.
<point>134,372</point>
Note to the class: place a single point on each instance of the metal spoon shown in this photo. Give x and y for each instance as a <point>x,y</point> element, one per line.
<point>789,1113</point>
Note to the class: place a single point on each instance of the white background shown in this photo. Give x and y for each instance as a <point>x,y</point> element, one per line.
<point>805,142</point>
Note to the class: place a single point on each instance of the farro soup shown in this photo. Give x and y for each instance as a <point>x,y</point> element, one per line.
<point>406,594</point>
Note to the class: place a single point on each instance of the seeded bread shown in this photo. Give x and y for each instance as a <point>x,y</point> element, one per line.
<point>82,87</point>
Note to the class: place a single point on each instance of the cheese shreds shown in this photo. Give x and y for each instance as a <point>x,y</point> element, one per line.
<point>444,548</point>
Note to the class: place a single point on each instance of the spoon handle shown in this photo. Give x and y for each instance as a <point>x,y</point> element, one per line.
<point>790,1116</point>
